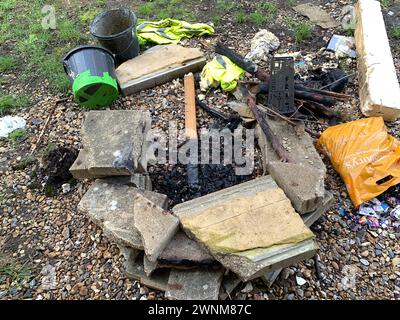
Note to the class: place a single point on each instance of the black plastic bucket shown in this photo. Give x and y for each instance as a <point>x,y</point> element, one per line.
<point>116,31</point>
<point>91,71</point>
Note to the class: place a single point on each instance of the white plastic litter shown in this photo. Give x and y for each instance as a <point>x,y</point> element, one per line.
<point>10,123</point>
<point>263,43</point>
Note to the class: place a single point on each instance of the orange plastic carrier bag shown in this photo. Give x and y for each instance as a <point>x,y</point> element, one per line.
<point>365,155</point>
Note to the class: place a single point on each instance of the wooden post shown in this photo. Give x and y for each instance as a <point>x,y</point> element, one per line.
<point>190,107</point>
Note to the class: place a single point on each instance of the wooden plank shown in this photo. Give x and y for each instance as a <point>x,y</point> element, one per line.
<point>190,107</point>
<point>160,77</point>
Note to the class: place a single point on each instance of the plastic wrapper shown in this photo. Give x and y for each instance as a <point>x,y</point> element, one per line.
<point>365,155</point>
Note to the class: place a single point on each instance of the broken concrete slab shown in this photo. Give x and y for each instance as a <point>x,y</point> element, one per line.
<point>183,252</point>
<point>158,65</point>
<point>155,225</point>
<point>312,217</point>
<point>316,15</point>
<point>229,284</point>
<point>114,144</point>
<point>134,269</point>
<point>137,180</point>
<point>303,177</point>
<point>250,228</point>
<point>111,207</point>
<point>199,284</point>
<point>128,253</point>
<point>149,266</point>
<point>309,220</point>
<point>375,62</point>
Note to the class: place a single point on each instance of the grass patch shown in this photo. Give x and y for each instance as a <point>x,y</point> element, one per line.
<point>267,7</point>
<point>240,16</point>
<point>264,11</point>
<point>8,102</point>
<point>17,135</point>
<point>12,269</point>
<point>89,15</point>
<point>291,3</point>
<point>387,3</point>
<point>302,31</point>
<point>38,49</point>
<point>68,32</point>
<point>394,32</point>
<point>6,63</point>
<point>162,9</point>
<point>146,9</point>
<point>258,18</point>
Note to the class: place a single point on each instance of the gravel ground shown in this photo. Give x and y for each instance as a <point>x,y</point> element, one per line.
<point>56,253</point>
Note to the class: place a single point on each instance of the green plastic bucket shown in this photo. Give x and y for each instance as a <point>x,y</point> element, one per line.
<point>91,71</point>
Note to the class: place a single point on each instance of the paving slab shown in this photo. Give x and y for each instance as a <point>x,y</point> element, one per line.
<point>149,266</point>
<point>201,284</point>
<point>250,228</point>
<point>309,219</point>
<point>183,252</point>
<point>111,207</point>
<point>155,225</point>
<point>134,269</point>
<point>114,144</point>
<point>317,15</point>
<point>303,177</point>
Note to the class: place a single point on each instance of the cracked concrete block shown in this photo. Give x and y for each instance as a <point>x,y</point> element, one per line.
<point>111,207</point>
<point>134,269</point>
<point>183,252</point>
<point>149,266</point>
<point>155,225</point>
<point>137,180</point>
<point>229,284</point>
<point>114,144</point>
<point>303,177</point>
<point>251,228</point>
<point>128,253</point>
<point>201,284</point>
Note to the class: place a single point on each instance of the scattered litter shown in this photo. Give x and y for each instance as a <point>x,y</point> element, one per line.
<point>317,15</point>
<point>342,46</point>
<point>263,43</point>
<point>66,187</point>
<point>169,31</point>
<point>281,86</point>
<point>334,80</point>
<point>365,155</point>
<point>220,71</point>
<point>9,124</point>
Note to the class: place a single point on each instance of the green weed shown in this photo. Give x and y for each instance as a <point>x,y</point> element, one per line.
<point>302,31</point>
<point>258,18</point>
<point>17,135</point>
<point>240,16</point>
<point>394,32</point>
<point>8,102</point>
<point>6,63</point>
<point>14,270</point>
